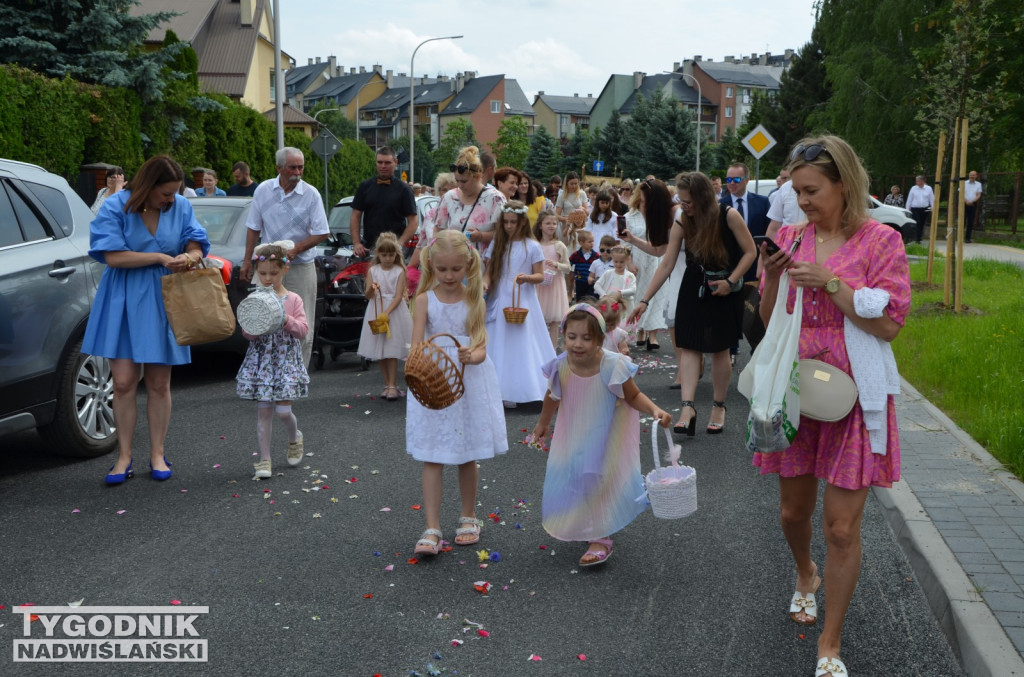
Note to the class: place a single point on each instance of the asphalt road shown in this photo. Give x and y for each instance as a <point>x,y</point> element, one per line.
<point>297,580</point>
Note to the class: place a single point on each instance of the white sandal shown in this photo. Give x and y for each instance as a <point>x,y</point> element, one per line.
<point>472,530</point>
<point>805,603</point>
<point>830,667</point>
<point>425,546</point>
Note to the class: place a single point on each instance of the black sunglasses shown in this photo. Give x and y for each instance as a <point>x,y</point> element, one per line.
<point>460,169</point>
<point>809,153</point>
<point>606,251</point>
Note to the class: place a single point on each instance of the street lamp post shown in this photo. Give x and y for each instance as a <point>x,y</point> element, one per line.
<point>412,102</point>
<point>700,97</point>
<point>327,199</point>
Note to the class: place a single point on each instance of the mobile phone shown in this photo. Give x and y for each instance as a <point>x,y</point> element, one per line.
<point>621,222</point>
<point>772,247</point>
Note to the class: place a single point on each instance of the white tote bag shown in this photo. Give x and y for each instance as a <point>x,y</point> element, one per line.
<point>772,378</point>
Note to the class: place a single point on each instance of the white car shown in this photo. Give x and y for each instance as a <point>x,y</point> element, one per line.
<point>894,217</point>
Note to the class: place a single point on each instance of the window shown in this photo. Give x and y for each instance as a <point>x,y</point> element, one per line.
<point>273,86</point>
<point>746,95</point>
<point>728,111</point>
<point>32,228</point>
<point>728,92</point>
<point>495,106</point>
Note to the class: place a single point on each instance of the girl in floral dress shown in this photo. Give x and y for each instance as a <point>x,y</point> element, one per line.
<point>554,300</point>
<point>273,372</point>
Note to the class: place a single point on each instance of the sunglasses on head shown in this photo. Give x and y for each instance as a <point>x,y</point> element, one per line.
<point>809,153</point>
<point>458,169</point>
<point>735,179</point>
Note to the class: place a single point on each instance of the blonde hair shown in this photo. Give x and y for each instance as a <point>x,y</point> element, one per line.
<point>470,155</point>
<point>838,162</point>
<point>444,182</point>
<point>387,243</point>
<point>454,242</point>
<point>611,310</point>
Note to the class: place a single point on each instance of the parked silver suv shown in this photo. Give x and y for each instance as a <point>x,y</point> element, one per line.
<point>47,284</point>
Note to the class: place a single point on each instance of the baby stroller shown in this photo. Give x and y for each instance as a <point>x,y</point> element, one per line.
<point>343,286</point>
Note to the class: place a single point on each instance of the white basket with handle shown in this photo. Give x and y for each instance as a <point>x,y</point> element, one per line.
<point>261,312</point>
<point>672,489</point>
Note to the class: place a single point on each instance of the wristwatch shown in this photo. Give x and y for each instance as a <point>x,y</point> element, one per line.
<point>832,286</point>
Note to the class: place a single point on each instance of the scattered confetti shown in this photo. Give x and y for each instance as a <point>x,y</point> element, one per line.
<point>175,602</point>
<point>334,500</point>
<point>376,553</point>
<point>223,437</point>
<point>483,633</point>
<point>802,636</point>
<point>75,605</point>
<point>367,412</point>
<point>353,495</point>
<point>121,512</point>
<point>534,657</point>
<point>413,560</point>
<point>390,567</point>
<point>316,515</point>
<point>75,511</point>
<point>184,491</point>
<point>582,656</point>
<point>416,507</point>
<point>543,547</point>
<point>495,557</point>
<point>368,596</point>
<point>457,642</point>
<point>482,555</point>
<point>385,510</point>
<point>216,465</point>
<point>375,472</point>
<point>482,587</point>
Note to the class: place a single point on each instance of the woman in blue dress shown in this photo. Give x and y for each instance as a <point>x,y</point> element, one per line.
<point>141,233</point>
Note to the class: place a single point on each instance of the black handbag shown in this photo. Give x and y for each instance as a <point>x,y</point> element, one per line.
<point>753,326</point>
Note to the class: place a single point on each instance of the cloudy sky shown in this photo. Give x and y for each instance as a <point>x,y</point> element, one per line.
<point>555,46</point>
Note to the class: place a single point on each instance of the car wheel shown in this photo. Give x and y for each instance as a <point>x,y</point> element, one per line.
<point>83,423</point>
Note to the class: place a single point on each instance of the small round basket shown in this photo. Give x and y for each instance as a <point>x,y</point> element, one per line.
<point>261,312</point>
<point>380,324</point>
<point>672,490</point>
<point>577,217</point>
<point>549,276</point>
<point>515,314</point>
<point>433,377</point>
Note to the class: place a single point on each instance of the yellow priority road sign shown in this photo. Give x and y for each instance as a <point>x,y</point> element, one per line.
<point>759,141</point>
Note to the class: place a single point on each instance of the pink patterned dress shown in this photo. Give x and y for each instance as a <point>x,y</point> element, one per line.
<point>840,452</point>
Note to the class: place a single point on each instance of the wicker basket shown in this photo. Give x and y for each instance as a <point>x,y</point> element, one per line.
<point>577,217</point>
<point>380,324</point>
<point>672,490</point>
<point>515,314</point>
<point>433,377</point>
<point>261,312</point>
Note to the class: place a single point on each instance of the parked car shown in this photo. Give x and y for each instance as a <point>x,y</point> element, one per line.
<point>47,285</point>
<point>341,214</point>
<point>894,217</point>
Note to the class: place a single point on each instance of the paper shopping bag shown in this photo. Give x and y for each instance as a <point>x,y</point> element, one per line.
<point>197,307</point>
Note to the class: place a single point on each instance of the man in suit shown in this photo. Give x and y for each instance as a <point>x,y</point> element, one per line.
<point>751,206</point>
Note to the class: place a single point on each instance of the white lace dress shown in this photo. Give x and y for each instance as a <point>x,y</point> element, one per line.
<point>654,315</point>
<point>474,427</point>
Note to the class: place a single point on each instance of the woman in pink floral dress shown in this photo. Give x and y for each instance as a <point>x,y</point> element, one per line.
<point>474,207</point>
<point>856,296</point>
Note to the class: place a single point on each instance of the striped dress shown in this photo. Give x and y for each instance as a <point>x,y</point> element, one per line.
<point>593,474</point>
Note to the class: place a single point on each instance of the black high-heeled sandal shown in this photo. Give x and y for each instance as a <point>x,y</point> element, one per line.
<point>716,428</point>
<point>690,429</point>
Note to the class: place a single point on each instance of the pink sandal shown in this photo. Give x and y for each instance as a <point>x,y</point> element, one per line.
<point>600,556</point>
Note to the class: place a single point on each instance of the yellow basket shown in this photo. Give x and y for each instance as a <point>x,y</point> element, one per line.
<point>381,324</point>
<point>433,377</point>
<point>515,314</point>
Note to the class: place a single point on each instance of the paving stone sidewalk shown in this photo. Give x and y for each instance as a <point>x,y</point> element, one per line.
<point>959,517</point>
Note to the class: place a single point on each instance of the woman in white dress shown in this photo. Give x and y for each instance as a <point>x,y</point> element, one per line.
<point>651,204</point>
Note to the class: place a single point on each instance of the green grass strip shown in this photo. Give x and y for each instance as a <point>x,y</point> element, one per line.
<point>971,365</point>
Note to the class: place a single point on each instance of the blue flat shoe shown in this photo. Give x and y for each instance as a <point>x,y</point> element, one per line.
<point>160,475</point>
<point>120,478</point>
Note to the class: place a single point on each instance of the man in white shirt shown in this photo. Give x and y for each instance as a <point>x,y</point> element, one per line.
<point>290,209</point>
<point>972,194</point>
<point>920,200</point>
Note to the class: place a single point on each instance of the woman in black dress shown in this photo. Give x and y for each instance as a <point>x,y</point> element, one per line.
<point>719,250</point>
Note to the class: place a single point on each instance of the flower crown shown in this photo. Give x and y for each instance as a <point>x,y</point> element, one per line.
<point>512,210</point>
<point>272,257</point>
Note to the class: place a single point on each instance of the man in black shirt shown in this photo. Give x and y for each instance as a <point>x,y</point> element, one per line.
<point>383,203</point>
<point>244,185</point>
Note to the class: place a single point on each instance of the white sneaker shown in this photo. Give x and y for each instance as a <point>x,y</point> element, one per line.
<point>263,469</point>
<point>295,451</point>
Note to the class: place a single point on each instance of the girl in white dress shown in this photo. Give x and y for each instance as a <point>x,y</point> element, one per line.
<point>554,300</point>
<point>616,339</point>
<point>387,275</point>
<point>515,259</point>
<point>617,281</point>
<point>602,219</point>
<point>450,301</point>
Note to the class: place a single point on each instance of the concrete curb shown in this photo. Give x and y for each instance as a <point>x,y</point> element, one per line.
<point>974,633</point>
